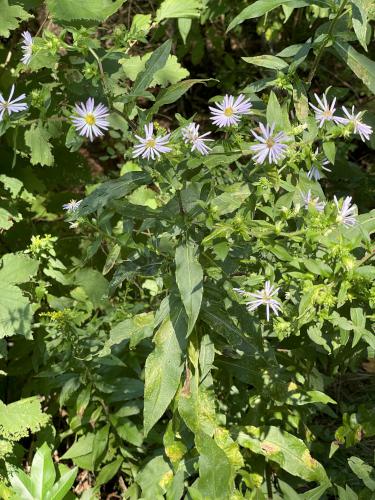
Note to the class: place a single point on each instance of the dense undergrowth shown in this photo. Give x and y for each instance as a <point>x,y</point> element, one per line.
<point>186,281</point>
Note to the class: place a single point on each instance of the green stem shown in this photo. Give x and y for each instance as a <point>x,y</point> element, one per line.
<point>325,41</point>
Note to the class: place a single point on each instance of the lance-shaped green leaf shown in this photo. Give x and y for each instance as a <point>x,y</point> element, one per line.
<point>361,65</point>
<point>287,450</point>
<point>267,61</point>
<point>157,61</point>
<point>256,9</point>
<point>112,190</point>
<point>165,364</point>
<point>43,472</point>
<point>189,278</point>
<point>173,93</point>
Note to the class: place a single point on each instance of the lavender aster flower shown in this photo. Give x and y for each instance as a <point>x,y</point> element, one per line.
<point>309,201</point>
<point>315,171</point>
<point>325,111</point>
<point>27,47</point>
<point>190,133</point>
<point>72,206</point>
<point>150,146</point>
<point>262,297</point>
<point>229,111</point>
<point>91,120</point>
<point>356,120</point>
<point>347,214</point>
<point>12,106</point>
<point>270,145</point>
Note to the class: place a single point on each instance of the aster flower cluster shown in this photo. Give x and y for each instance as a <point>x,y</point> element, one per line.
<point>325,112</point>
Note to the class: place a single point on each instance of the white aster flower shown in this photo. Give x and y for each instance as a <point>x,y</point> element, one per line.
<point>315,171</point>
<point>262,297</point>
<point>190,133</point>
<point>229,111</point>
<point>150,146</point>
<point>72,206</point>
<point>91,119</point>
<point>12,106</point>
<point>27,47</point>
<point>325,111</point>
<point>356,120</point>
<point>347,214</point>
<point>271,144</point>
<point>309,201</point>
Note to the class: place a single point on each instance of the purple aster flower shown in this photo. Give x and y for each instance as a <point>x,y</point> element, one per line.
<point>262,297</point>
<point>309,201</point>
<point>150,146</point>
<point>229,111</point>
<point>318,165</point>
<point>346,214</point>
<point>270,145</point>
<point>190,133</point>
<point>27,47</point>
<point>91,120</point>
<point>325,111</point>
<point>72,206</point>
<point>356,120</point>
<point>12,106</point>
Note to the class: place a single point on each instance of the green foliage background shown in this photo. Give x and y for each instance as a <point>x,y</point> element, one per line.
<point>125,354</point>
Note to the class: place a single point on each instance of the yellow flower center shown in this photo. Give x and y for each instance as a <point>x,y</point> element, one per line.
<point>90,119</point>
<point>228,111</point>
<point>150,143</point>
<point>270,142</point>
<point>327,113</point>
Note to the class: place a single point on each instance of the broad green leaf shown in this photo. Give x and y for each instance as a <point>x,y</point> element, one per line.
<point>15,312</point>
<point>93,10</point>
<point>164,365</point>
<point>287,450</point>
<point>276,114</point>
<point>82,447</point>
<point>134,329</point>
<point>93,283</point>
<point>189,278</point>
<point>152,477</point>
<point>10,17</point>
<point>267,61</point>
<point>177,9</point>
<point>36,138</point>
<point>17,268</point>
<point>362,66</point>
<point>157,61</point>
<point>318,267</point>
<point>111,258</point>
<point>43,472</point>
<point>214,468</point>
<point>316,493</point>
<point>107,472</point>
<point>233,197</point>
<point>20,417</point>
<point>63,485</point>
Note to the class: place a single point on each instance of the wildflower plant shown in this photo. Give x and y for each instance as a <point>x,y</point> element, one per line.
<point>189,306</point>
